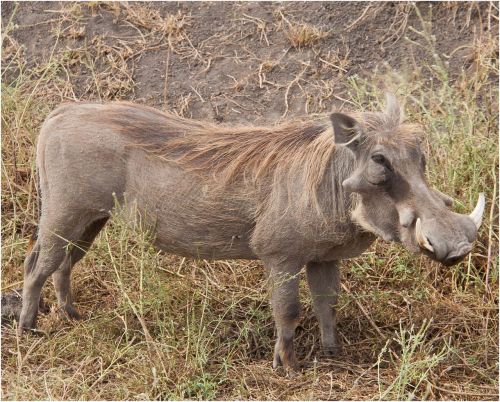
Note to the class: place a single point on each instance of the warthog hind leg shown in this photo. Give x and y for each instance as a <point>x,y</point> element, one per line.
<point>46,256</point>
<point>324,283</point>
<point>62,276</point>
<point>58,237</point>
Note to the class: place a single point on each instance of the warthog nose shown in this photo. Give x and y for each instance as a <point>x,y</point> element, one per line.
<point>457,255</point>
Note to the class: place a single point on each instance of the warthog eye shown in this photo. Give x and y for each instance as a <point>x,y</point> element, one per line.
<point>381,160</point>
<point>378,170</point>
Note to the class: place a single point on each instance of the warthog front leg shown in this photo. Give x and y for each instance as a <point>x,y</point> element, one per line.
<point>324,282</point>
<point>286,310</point>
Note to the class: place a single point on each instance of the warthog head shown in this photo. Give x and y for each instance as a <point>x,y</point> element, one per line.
<point>394,199</point>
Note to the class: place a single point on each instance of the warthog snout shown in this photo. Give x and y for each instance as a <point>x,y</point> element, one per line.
<point>448,238</point>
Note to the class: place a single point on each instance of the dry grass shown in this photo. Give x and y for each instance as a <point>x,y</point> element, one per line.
<point>158,326</point>
<point>302,34</point>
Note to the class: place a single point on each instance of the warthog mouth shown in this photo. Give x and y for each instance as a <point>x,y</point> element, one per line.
<point>451,255</point>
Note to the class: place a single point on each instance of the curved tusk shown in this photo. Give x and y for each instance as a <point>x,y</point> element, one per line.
<point>421,239</point>
<point>477,214</point>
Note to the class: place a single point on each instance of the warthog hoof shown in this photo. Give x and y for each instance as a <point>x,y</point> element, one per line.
<point>332,351</point>
<point>291,370</point>
<point>70,312</point>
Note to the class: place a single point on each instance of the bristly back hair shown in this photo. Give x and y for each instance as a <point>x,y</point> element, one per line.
<point>253,154</point>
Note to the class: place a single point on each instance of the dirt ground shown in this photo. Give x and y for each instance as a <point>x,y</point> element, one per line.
<point>260,63</point>
<point>234,62</point>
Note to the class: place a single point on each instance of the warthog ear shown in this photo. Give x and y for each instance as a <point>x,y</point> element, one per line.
<point>393,110</point>
<point>346,131</point>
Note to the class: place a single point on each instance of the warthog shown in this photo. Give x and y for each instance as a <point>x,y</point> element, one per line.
<point>303,193</point>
